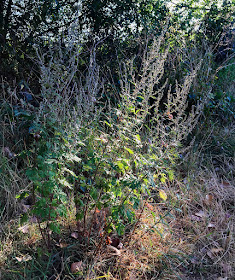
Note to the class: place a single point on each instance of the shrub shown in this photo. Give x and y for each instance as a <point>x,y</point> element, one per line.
<point>101,157</point>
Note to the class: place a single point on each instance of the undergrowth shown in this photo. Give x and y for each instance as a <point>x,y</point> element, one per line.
<point>101,190</point>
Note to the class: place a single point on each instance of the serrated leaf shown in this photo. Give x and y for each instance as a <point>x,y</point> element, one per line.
<point>55,228</point>
<point>74,158</point>
<point>65,183</point>
<point>70,172</point>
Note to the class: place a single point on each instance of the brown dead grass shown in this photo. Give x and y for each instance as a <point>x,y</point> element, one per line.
<point>190,236</point>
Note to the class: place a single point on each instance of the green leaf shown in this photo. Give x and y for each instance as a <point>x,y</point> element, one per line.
<point>71,157</point>
<point>129,150</point>
<point>87,167</point>
<point>163,195</point>
<point>120,228</point>
<point>108,124</point>
<point>51,160</point>
<point>171,175</point>
<point>24,218</point>
<point>120,165</point>
<point>22,195</point>
<point>70,172</point>
<point>80,215</point>
<point>55,228</point>
<point>163,178</point>
<point>94,193</point>
<point>65,183</point>
<point>137,139</point>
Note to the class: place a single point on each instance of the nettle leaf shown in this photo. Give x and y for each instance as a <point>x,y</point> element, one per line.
<point>129,215</point>
<point>55,228</point>
<point>79,202</point>
<point>99,205</point>
<point>65,169</point>
<point>32,174</point>
<point>126,164</point>
<point>53,214</point>
<point>65,183</point>
<point>61,210</point>
<point>71,157</point>
<point>51,160</point>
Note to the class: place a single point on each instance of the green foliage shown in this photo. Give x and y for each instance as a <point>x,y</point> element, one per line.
<point>91,157</point>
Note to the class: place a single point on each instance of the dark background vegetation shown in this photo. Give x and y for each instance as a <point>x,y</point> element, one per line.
<point>36,139</point>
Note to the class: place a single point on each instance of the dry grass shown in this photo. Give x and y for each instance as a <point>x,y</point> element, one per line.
<point>190,236</point>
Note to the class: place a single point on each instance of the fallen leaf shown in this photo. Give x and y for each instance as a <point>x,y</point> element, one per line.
<point>201,214</point>
<point>24,229</point>
<point>115,251</point>
<point>30,241</point>
<point>216,250</point>
<point>163,195</point>
<point>76,267</point>
<point>194,260</point>
<point>210,225</point>
<point>226,268</point>
<point>209,198</point>
<point>25,258</point>
<point>63,245</point>
<point>33,219</point>
<point>225,184</point>
<point>149,206</point>
<point>7,152</point>
<point>75,234</point>
<point>195,218</point>
<point>209,254</point>
<point>170,116</point>
<point>25,208</point>
<point>120,246</point>
<point>108,240</point>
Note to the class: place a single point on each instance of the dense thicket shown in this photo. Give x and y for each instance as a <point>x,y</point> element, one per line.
<point>25,24</point>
